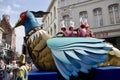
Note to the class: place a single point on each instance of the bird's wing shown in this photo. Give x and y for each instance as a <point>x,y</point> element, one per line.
<point>74,54</point>
<point>39,13</point>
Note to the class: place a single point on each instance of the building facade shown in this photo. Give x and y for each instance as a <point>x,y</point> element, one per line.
<point>7,38</point>
<point>50,20</point>
<point>103,16</point>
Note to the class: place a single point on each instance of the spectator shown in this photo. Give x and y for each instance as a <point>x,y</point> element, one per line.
<point>23,69</point>
<point>33,67</point>
<point>14,70</point>
<point>14,64</point>
<point>8,71</point>
<point>2,70</point>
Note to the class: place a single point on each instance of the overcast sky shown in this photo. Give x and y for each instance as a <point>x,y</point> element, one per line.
<point>14,8</point>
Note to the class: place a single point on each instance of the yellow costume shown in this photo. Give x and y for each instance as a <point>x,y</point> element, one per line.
<point>22,73</point>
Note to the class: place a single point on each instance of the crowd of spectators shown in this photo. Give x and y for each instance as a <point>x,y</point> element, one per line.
<point>15,70</point>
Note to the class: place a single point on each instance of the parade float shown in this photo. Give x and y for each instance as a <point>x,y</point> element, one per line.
<point>70,53</point>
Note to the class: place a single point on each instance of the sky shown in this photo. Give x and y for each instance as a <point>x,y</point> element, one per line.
<point>14,8</point>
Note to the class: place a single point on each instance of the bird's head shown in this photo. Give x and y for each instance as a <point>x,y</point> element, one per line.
<point>23,17</point>
<point>26,16</point>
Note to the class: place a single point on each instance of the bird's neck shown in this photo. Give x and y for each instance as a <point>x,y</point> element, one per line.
<point>30,24</point>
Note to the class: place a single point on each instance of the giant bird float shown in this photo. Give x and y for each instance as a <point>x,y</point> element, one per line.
<point>68,55</point>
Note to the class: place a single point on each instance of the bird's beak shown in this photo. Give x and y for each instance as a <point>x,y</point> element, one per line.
<point>19,23</point>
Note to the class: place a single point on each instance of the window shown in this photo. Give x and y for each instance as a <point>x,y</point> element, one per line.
<point>54,29</point>
<point>66,18</point>
<point>54,12</point>
<point>83,0</point>
<point>64,2</point>
<point>114,13</point>
<point>48,21</point>
<point>46,24</point>
<point>51,17</point>
<point>83,15</point>
<point>98,20</point>
<point>51,31</point>
<point>48,32</point>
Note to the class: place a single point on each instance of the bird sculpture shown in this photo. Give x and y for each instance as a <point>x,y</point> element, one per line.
<point>68,55</point>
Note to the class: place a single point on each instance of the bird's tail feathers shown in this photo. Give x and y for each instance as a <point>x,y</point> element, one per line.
<point>39,14</point>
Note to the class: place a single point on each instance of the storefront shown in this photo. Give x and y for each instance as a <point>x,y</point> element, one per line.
<point>111,36</point>
<point>114,40</point>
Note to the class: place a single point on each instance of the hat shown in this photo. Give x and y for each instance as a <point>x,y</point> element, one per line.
<point>86,23</point>
<point>62,24</point>
<point>71,24</point>
<point>82,24</point>
<point>22,58</point>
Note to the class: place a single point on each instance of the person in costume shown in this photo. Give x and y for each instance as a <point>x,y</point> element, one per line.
<point>82,31</point>
<point>89,33</point>
<point>63,29</point>
<point>11,69</point>
<point>22,73</point>
<point>8,69</point>
<point>70,32</point>
<point>2,71</point>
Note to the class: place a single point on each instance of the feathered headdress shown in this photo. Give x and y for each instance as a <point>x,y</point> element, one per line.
<point>63,25</point>
<point>86,23</point>
<point>82,23</point>
<point>71,25</point>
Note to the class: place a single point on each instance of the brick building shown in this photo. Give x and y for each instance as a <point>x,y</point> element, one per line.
<point>7,37</point>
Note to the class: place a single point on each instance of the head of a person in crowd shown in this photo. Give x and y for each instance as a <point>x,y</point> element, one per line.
<point>13,62</point>
<point>71,28</point>
<point>63,28</point>
<point>82,26</point>
<point>1,62</point>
